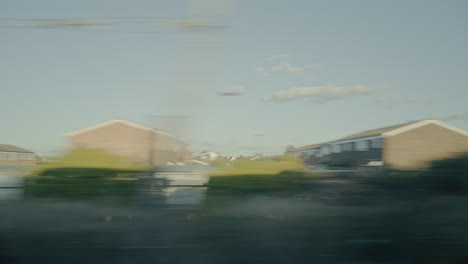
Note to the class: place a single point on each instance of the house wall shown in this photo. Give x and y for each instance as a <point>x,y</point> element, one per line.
<point>415,149</point>
<point>118,139</point>
<point>134,143</point>
<point>167,149</point>
<point>16,158</point>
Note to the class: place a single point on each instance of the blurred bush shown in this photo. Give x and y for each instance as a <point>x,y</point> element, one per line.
<point>257,184</point>
<point>89,158</point>
<point>410,215</point>
<point>448,176</point>
<point>273,176</point>
<point>350,164</point>
<point>84,175</point>
<point>260,167</point>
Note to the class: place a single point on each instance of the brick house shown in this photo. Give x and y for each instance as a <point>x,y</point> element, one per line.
<point>140,143</point>
<point>13,155</point>
<point>411,145</point>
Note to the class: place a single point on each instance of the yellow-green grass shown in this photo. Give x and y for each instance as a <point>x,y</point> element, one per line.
<point>88,158</point>
<point>260,167</point>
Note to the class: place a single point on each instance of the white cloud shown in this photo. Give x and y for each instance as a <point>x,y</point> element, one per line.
<point>321,94</point>
<point>406,100</point>
<point>289,69</point>
<point>463,116</point>
<point>261,70</point>
<point>236,89</point>
<point>277,57</point>
<point>233,91</point>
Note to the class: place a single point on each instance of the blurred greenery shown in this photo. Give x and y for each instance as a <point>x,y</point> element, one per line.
<point>386,216</point>
<point>261,167</point>
<point>444,177</point>
<point>351,164</point>
<point>409,216</point>
<point>94,185</point>
<point>381,216</point>
<point>258,184</point>
<point>89,158</point>
<point>84,175</point>
<point>448,176</point>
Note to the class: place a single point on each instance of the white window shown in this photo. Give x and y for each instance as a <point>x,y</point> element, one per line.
<point>336,148</point>
<point>347,146</point>
<point>312,152</point>
<point>325,150</point>
<point>27,156</point>
<point>362,145</point>
<point>11,156</point>
<point>377,143</point>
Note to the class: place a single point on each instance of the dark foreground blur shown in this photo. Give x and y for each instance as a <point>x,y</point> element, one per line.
<point>291,217</point>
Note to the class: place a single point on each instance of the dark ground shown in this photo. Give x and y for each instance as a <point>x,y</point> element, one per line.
<point>390,219</point>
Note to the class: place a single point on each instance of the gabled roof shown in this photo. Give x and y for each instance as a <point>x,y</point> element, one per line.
<point>423,123</point>
<point>375,132</point>
<point>310,147</point>
<point>11,148</point>
<point>388,131</point>
<point>114,121</point>
<point>397,129</point>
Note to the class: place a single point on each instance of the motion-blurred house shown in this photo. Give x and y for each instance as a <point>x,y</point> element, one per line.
<point>205,158</point>
<point>208,156</point>
<point>231,157</point>
<point>411,145</point>
<point>140,143</point>
<point>13,155</point>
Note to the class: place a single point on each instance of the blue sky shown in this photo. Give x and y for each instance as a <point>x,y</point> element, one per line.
<point>304,71</point>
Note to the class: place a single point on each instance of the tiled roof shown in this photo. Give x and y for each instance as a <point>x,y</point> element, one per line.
<point>310,147</point>
<point>367,133</point>
<point>11,148</point>
<point>114,121</point>
<point>125,122</point>
<point>374,132</point>
<point>387,131</point>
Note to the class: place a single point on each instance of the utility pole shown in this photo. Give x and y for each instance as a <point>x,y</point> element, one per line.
<point>152,141</point>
